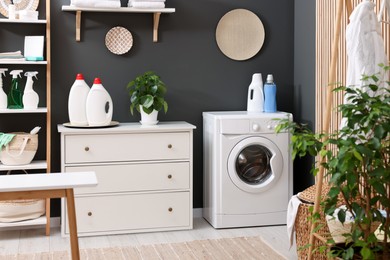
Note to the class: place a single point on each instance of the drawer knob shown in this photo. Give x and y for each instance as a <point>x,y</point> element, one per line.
<point>86,148</point>
<point>169,146</point>
<point>89,213</point>
<point>170,209</point>
<point>170,176</point>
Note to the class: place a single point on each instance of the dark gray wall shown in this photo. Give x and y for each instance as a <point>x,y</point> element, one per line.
<point>304,81</point>
<point>199,77</point>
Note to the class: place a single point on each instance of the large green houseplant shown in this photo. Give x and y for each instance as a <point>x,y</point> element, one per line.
<point>358,168</point>
<point>147,93</point>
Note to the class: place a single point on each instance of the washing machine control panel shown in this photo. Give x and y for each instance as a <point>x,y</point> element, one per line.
<point>263,125</point>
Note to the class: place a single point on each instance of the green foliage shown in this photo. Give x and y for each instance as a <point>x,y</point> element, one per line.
<point>148,91</point>
<point>359,168</point>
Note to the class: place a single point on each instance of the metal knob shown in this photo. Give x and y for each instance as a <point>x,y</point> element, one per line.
<point>89,213</point>
<point>86,148</point>
<point>169,146</point>
<point>170,176</point>
<point>170,209</point>
<point>269,127</point>
<point>255,127</point>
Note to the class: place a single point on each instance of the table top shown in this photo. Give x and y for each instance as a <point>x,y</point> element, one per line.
<point>45,181</point>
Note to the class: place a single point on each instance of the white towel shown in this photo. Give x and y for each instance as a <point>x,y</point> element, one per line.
<point>148,0</point>
<point>97,3</point>
<point>147,5</point>
<point>292,210</point>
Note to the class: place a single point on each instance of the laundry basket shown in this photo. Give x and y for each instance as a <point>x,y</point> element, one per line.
<point>21,150</point>
<point>303,223</point>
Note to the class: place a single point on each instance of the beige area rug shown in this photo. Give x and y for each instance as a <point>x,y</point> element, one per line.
<point>220,249</point>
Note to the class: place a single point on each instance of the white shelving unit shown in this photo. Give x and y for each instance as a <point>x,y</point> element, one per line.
<point>44,165</point>
<point>156,15</point>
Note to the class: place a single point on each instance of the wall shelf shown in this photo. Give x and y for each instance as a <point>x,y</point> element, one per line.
<point>34,165</point>
<point>23,111</point>
<point>33,222</point>
<point>156,15</point>
<point>22,62</point>
<point>6,20</point>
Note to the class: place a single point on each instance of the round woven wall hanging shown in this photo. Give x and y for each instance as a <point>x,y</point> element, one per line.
<point>20,5</point>
<point>240,34</point>
<point>119,40</point>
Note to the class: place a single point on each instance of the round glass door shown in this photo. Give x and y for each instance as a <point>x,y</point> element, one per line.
<point>255,164</point>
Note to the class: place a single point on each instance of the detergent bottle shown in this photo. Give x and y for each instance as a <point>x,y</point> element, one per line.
<point>270,95</point>
<point>97,101</point>
<point>77,101</point>
<point>255,94</point>
<point>3,96</point>
<point>15,95</point>
<point>30,97</point>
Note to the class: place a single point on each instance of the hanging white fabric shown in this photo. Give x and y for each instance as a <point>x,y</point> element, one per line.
<point>365,48</point>
<point>384,4</point>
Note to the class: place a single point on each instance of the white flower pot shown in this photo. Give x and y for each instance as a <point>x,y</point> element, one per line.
<point>149,119</point>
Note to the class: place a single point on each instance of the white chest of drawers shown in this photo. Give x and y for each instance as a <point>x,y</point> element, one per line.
<point>144,177</point>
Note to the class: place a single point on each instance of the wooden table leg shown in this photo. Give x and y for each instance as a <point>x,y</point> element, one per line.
<point>74,243</point>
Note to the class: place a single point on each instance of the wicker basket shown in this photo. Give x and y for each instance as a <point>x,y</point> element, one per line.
<point>21,150</point>
<point>303,223</point>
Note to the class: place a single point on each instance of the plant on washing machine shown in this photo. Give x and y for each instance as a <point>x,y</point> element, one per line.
<point>358,169</point>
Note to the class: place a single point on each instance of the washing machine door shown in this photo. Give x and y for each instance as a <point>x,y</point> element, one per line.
<point>255,164</point>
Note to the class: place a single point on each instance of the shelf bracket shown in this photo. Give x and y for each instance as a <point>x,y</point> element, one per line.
<point>78,25</point>
<point>156,20</point>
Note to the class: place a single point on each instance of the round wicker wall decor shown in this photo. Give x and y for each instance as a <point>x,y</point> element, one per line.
<point>119,40</point>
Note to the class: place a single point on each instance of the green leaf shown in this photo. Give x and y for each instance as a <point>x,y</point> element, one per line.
<point>341,215</point>
<point>146,101</point>
<point>379,188</point>
<point>357,155</point>
<point>367,253</point>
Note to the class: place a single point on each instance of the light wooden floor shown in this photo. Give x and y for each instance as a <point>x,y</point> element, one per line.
<point>34,240</point>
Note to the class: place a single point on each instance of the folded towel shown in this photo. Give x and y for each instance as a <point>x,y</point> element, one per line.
<point>5,139</point>
<point>97,3</point>
<point>292,210</point>
<point>148,0</point>
<point>147,5</point>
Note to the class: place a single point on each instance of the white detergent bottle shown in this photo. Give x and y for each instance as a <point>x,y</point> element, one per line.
<point>256,94</point>
<point>97,101</point>
<point>30,97</point>
<point>77,102</point>
<point>3,96</point>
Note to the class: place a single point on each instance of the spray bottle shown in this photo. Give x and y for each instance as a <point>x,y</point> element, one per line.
<point>15,94</point>
<point>3,96</point>
<point>30,97</point>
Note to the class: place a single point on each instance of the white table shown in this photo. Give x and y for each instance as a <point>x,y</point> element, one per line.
<point>53,185</point>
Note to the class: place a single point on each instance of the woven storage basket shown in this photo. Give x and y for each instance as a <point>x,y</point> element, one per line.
<point>21,150</point>
<point>19,210</point>
<point>303,223</point>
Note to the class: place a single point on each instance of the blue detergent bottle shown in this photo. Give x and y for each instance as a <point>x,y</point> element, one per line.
<point>270,95</point>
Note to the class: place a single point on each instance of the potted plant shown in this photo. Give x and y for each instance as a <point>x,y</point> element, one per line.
<point>147,97</point>
<point>358,169</point>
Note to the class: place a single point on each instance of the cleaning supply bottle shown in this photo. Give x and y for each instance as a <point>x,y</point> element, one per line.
<point>77,101</point>
<point>30,97</point>
<point>270,95</point>
<point>97,101</point>
<point>3,96</point>
<point>15,95</point>
<point>255,94</point>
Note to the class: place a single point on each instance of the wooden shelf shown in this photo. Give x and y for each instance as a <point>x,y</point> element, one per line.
<point>34,165</point>
<point>21,62</point>
<point>6,20</point>
<point>156,15</point>
<point>23,111</point>
<point>32,222</point>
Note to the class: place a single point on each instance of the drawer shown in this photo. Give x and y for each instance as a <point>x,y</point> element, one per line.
<point>136,177</point>
<point>126,147</point>
<point>131,212</point>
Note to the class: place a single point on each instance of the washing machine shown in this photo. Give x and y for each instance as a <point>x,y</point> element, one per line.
<point>247,173</point>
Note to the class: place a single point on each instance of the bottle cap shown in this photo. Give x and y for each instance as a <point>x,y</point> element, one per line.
<point>270,78</point>
<point>79,76</point>
<point>97,81</point>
